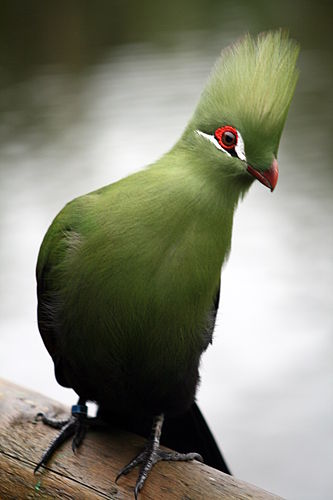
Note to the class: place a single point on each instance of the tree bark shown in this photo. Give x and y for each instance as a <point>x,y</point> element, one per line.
<point>90,473</point>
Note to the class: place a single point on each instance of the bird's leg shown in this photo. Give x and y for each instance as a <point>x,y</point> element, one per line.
<point>153,454</point>
<point>76,425</point>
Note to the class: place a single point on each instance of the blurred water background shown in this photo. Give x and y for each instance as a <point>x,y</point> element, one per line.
<point>91,91</point>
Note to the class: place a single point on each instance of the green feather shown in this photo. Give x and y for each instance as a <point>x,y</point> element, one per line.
<point>129,272</point>
<point>251,88</point>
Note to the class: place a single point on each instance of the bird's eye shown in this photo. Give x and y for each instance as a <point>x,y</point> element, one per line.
<point>226,137</point>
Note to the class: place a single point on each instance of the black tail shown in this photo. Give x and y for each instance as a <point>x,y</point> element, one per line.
<point>190,432</point>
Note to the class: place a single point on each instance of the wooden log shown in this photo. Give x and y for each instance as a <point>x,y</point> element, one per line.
<point>90,473</point>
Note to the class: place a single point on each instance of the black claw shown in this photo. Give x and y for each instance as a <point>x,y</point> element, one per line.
<point>52,422</point>
<point>75,426</point>
<point>81,429</point>
<point>174,456</point>
<point>151,455</point>
<point>66,431</point>
<point>136,491</point>
<point>130,466</point>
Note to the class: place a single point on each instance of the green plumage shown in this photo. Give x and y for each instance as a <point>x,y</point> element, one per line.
<point>128,275</point>
<point>251,87</point>
<point>135,267</point>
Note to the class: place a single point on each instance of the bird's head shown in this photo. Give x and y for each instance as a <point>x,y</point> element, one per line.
<point>239,120</point>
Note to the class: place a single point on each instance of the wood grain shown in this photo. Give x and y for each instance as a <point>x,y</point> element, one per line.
<point>90,473</point>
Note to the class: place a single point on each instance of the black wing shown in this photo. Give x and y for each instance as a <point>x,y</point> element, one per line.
<point>211,320</point>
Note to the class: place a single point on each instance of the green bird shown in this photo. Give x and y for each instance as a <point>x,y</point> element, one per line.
<point>129,275</point>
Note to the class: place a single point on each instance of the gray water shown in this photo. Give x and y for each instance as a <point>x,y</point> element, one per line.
<point>73,122</point>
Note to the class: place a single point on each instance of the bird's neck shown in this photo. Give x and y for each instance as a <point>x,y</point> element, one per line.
<point>214,190</point>
<point>201,202</point>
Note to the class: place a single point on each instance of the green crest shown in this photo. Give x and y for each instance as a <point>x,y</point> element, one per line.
<point>251,88</point>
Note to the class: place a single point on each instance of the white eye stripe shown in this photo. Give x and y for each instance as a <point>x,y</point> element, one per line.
<point>240,148</point>
<point>212,139</point>
<point>240,151</point>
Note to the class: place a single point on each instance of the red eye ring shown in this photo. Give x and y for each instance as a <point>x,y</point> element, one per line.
<point>227,137</point>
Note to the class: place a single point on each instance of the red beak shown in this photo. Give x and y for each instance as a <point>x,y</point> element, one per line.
<point>269,178</point>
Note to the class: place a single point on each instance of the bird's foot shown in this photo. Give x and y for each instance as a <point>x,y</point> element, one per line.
<point>152,454</point>
<point>76,425</point>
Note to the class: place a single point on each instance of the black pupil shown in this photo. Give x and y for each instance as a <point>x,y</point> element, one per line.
<point>229,138</point>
